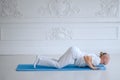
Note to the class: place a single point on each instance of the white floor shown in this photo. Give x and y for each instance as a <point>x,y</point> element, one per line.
<point>8,65</point>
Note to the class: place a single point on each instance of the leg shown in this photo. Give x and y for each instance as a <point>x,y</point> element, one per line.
<point>42,60</point>
<point>69,57</point>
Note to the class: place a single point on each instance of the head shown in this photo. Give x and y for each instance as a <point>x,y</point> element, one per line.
<point>105,58</point>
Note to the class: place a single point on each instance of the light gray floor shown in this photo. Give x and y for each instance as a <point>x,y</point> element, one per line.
<point>8,65</point>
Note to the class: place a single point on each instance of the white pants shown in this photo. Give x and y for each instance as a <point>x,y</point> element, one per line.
<point>67,58</point>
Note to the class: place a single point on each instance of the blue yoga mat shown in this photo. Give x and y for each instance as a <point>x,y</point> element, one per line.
<point>29,67</point>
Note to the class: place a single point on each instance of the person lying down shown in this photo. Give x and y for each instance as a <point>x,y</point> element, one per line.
<point>74,56</point>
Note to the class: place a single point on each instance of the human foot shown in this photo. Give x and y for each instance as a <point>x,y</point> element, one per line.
<point>36,61</point>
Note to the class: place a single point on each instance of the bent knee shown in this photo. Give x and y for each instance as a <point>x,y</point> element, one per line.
<point>74,48</point>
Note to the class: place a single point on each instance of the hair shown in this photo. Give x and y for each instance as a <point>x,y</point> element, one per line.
<point>103,53</point>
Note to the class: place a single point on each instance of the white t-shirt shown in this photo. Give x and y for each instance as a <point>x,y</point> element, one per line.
<point>81,62</point>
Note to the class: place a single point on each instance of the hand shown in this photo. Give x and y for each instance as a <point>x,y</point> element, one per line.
<point>96,68</point>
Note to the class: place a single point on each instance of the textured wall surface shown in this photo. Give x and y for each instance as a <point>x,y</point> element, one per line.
<point>51,26</point>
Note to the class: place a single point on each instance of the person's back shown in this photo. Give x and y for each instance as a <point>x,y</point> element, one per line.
<point>80,61</point>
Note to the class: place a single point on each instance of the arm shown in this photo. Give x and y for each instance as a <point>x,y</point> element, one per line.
<point>88,60</point>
